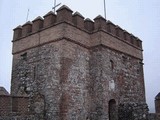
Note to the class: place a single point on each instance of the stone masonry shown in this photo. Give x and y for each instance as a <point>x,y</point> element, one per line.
<point>72,68</point>
<point>157,103</point>
<point>3,91</point>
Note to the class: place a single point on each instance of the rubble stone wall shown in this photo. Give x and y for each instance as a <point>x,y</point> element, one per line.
<point>115,76</point>
<point>133,111</point>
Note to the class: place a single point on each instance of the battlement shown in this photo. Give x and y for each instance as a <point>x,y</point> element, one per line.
<point>65,14</point>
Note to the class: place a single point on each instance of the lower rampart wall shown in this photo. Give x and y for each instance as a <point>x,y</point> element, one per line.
<point>20,117</point>
<point>17,108</point>
<point>13,105</point>
<point>153,116</point>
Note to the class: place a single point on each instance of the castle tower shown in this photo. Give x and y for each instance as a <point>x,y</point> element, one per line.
<point>157,103</point>
<point>3,91</point>
<point>76,68</point>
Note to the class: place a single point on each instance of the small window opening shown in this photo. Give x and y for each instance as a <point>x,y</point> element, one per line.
<point>25,74</point>
<point>34,72</point>
<point>124,59</point>
<point>138,70</point>
<point>112,64</point>
<point>24,56</point>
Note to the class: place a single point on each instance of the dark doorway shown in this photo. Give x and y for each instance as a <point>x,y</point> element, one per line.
<point>112,110</point>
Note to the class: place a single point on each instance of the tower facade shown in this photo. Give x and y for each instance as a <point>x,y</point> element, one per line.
<point>157,103</point>
<point>76,68</point>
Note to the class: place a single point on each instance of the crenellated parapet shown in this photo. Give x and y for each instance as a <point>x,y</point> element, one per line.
<point>78,20</point>
<point>66,15</point>
<point>49,19</point>
<point>26,29</point>
<point>37,24</point>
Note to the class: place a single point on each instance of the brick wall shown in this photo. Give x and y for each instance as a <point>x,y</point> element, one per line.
<point>20,105</point>
<point>5,105</point>
<point>13,105</point>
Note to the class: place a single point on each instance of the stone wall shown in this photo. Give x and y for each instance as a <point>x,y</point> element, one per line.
<point>59,69</point>
<point>133,111</point>
<point>89,86</point>
<point>115,76</point>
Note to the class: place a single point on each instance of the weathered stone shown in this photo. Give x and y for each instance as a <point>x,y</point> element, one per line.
<point>76,70</point>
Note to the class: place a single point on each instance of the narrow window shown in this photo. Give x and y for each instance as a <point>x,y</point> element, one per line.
<point>112,64</point>
<point>34,72</point>
<point>124,59</point>
<point>138,70</point>
<point>24,56</point>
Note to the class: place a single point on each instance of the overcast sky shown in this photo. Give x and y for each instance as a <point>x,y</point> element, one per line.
<point>139,17</point>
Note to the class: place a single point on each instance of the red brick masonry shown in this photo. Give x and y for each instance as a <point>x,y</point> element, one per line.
<point>13,104</point>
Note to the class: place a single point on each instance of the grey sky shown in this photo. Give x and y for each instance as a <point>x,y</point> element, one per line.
<point>139,17</point>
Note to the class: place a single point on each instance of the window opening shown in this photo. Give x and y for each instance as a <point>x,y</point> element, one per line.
<point>112,64</point>
<point>112,110</point>
<point>24,56</point>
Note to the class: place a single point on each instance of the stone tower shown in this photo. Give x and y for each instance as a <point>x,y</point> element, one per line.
<point>78,69</point>
<point>157,103</point>
<point>3,91</point>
